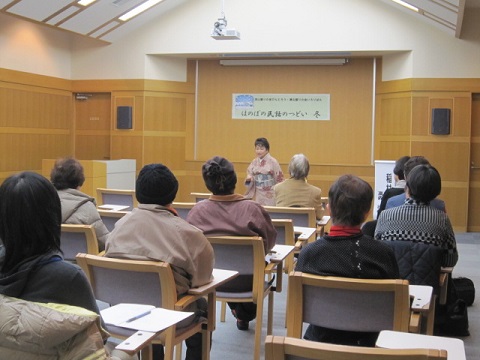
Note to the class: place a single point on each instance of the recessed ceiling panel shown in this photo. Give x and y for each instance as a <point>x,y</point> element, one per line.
<point>98,14</point>
<point>37,9</point>
<point>63,15</point>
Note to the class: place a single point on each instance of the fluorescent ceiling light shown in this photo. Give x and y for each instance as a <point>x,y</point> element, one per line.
<point>139,9</point>
<point>86,2</point>
<point>268,62</point>
<point>407,5</point>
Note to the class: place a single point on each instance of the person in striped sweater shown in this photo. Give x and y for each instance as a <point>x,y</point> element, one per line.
<point>415,220</point>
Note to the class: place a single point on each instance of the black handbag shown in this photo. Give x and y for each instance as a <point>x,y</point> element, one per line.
<point>452,319</point>
<point>465,289</point>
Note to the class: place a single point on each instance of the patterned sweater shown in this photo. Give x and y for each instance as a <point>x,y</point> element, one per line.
<point>419,222</point>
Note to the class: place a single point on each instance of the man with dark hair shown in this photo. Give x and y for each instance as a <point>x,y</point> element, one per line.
<point>227,213</point>
<point>346,252</point>
<point>153,231</point>
<point>416,220</point>
<point>399,200</point>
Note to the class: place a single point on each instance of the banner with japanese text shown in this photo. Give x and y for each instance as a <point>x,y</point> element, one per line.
<point>384,180</point>
<point>281,106</point>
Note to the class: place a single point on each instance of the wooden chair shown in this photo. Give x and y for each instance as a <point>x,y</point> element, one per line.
<point>117,281</point>
<point>117,197</point>
<point>76,239</point>
<point>246,255</point>
<point>285,348</point>
<point>110,217</point>
<point>301,216</point>
<point>346,304</point>
<point>183,208</point>
<point>286,236</point>
<point>197,196</point>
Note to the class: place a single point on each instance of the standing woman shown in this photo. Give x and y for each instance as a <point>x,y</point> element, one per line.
<point>262,175</point>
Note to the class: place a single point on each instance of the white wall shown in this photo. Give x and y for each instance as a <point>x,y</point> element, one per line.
<point>414,48</point>
<point>27,47</point>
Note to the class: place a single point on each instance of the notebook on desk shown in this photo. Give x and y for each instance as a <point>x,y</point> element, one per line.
<point>112,207</point>
<point>142,317</point>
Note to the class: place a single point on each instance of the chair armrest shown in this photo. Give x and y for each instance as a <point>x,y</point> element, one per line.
<point>185,301</point>
<point>299,244</point>
<point>443,284</point>
<point>270,267</point>
<point>415,322</point>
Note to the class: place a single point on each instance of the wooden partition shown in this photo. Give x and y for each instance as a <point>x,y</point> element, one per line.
<point>404,127</point>
<point>36,121</point>
<point>345,139</point>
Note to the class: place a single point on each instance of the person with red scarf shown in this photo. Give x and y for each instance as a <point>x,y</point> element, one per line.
<point>346,252</point>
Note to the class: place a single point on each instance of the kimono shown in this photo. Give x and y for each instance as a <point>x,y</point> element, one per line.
<point>265,173</point>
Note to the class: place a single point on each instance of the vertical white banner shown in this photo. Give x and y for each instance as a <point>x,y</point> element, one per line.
<point>384,179</point>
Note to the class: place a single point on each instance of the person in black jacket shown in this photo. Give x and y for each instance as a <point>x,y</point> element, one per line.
<point>347,252</point>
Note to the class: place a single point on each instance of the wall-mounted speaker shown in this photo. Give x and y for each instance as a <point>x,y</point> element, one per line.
<point>124,117</point>
<point>440,121</point>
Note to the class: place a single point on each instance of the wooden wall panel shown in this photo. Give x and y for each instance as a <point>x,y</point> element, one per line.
<point>450,154</point>
<point>345,139</point>
<point>128,144</point>
<point>35,121</point>
<point>93,121</point>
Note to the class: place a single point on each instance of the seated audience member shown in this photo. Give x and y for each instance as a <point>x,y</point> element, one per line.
<point>346,252</point>
<point>399,200</point>
<point>296,191</point>
<point>399,187</point>
<point>416,220</point>
<point>77,207</point>
<point>155,232</point>
<point>227,213</point>
<point>33,273</point>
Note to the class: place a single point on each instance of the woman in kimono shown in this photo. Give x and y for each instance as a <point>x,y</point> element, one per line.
<point>262,175</point>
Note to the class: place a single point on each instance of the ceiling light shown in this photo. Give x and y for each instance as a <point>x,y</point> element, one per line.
<point>407,5</point>
<point>86,2</point>
<point>269,62</point>
<point>139,9</point>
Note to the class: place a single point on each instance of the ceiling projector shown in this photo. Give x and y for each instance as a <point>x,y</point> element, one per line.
<point>220,31</point>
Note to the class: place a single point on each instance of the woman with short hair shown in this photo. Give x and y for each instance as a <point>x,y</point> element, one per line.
<point>77,207</point>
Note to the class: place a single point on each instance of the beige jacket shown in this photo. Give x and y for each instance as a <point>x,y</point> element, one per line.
<point>151,232</point>
<point>300,193</point>
<point>37,331</point>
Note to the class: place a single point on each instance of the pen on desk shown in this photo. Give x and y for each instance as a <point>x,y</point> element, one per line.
<point>139,316</point>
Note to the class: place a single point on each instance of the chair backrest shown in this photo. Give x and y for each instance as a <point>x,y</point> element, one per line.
<point>287,348</point>
<point>117,197</point>
<point>197,196</point>
<point>183,208</point>
<point>301,216</point>
<point>363,305</point>
<point>418,262</point>
<point>76,239</point>
<point>110,217</point>
<point>117,281</point>
<point>285,233</point>
<point>244,254</point>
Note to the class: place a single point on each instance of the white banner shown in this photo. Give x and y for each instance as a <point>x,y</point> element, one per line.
<point>384,179</point>
<point>281,106</point>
